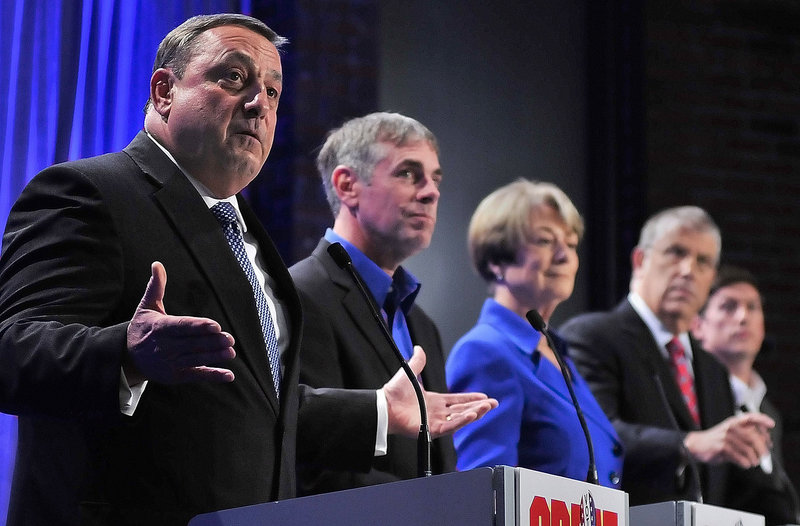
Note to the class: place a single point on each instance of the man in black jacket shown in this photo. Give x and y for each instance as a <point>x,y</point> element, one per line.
<point>731,327</point>
<point>150,409</point>
<point>669,400</point>
<point>381,174</point>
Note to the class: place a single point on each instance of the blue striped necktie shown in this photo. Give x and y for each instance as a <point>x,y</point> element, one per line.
<point>226,215</point>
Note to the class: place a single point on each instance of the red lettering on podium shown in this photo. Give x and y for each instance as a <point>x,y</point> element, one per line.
<point>559,514</point>
<point>609,518</point>
<point>576,515</point>
<point>540,512</point>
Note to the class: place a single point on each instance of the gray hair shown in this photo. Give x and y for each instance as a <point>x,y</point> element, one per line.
<point>691,218</point>
<point>501,224</point>
<point>361,143</point>
<point>179,47</point>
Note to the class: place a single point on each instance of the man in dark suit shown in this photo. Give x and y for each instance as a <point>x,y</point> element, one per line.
<point>151,409</point>
<point>381,174</point>
<point>731,327</point>
<point>669,400</point>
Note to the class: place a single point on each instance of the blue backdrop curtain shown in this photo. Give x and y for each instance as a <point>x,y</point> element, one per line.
<point>74,82</point>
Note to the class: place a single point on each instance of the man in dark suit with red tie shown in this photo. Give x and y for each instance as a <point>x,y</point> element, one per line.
<point>669,400</point>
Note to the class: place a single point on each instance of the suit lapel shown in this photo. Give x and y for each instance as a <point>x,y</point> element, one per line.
<point>638,335</point>
<point>433,371</point>
<point>202,237</point>
<point>356,307</point>
<point>710,379</point>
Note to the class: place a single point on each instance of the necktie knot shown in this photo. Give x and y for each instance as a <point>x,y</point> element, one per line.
<point>675,347</point>
<point>225,213</point>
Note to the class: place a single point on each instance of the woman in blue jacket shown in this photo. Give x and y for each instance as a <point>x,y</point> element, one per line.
<point>523,241</point>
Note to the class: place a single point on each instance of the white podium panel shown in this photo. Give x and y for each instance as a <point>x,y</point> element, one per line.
<point>685,513</point>
<point>548,500</point>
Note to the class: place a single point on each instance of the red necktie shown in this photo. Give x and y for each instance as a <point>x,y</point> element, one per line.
<point>680,368</point>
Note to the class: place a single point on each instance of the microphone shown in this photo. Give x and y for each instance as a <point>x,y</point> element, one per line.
<point>342,258</point>
<point>536,321</point>
<point>692,462</point>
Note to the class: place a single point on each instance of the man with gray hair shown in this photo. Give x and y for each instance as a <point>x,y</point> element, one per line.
<point>669,400</point>
<point>381,174</point>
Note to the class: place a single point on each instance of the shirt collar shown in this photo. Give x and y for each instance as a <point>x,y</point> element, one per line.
<point>377,281</point>
<point>204,192</point>
<point>750,396</point>
<point>516,329</point>
<point>660,333</point>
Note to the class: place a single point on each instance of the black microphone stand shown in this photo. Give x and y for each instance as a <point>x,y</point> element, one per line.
<point>342,258</point>
<point>695,469</point>
<point>536,321</point>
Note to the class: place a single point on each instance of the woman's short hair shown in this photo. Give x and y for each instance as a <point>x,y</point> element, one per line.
<point>501,224</point>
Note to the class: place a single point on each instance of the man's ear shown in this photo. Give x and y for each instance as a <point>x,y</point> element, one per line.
<point>637,258</point>
<point>347,185</point>
<point>161,83</point>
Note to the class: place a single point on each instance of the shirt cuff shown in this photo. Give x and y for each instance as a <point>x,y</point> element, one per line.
<point>382,432</point>
<point>129,396</point>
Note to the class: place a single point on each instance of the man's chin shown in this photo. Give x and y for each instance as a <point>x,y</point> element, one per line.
<point>681,313</point>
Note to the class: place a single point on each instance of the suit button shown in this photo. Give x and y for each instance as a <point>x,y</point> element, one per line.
<point>613,478</point>
<point>617,451</point>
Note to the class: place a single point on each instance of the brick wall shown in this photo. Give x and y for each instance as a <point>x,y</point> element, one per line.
<point>337,56</point>
<point>330,70</point>
<point>722,99</point>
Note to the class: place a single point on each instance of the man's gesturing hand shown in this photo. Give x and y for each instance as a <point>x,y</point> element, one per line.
<point>447,412</point>
<point>173,349</point>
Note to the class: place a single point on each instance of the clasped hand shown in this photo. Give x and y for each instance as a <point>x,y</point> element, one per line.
<point>741,439</point>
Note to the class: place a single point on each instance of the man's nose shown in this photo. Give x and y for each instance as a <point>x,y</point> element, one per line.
<point>256,103</point>
<point>741,313</point>
<point>687,266</point>
<point>429,193</point>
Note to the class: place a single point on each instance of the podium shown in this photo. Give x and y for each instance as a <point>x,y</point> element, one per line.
<point>499,496</point>
<point>685,513</point>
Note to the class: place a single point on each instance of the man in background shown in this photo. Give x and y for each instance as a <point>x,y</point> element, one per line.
<point>731,327</point>
<point>381,175</point>
<point>669,400</point>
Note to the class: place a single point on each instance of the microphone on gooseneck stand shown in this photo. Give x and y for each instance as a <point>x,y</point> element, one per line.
<point>536,321</point>
<point>342,258</point>
<point>689,458</point>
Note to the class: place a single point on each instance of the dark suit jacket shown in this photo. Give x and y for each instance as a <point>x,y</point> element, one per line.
<point>76,258</point>
<point>617,355</point>
<point>773,494</point>
<point>344,347</point>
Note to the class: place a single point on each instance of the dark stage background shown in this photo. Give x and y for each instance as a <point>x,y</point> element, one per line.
<point>629,106</point>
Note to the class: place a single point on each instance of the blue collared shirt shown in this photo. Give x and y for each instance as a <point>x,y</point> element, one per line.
<point>401,290</point>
